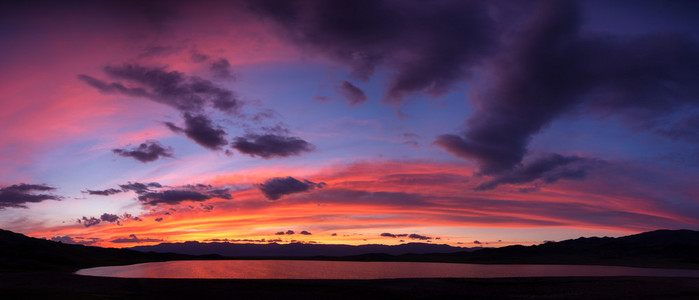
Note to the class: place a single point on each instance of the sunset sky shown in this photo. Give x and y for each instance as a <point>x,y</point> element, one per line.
<point>469,123</point>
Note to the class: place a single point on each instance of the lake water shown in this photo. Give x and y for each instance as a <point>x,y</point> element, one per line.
<point>299,269</point>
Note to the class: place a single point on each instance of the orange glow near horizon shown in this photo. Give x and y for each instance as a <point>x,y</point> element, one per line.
<point>359,202</point>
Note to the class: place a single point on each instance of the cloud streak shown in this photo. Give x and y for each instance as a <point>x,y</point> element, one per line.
<point>19,195</point>
<point>185,93</point>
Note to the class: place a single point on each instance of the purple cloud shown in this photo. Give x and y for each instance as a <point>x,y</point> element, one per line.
<point>146,152</point>
<point>275,188</point>
<point>19,195</point>
<point>271,145</point>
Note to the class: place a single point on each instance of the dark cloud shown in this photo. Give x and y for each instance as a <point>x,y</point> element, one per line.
<point>477,242</point>
<point>109,217</point>
<point>191,192</point>
<point>534,65</point>
<point>221,193</point>
<point>158,219</point>
<point>106,217</point>
<point>426,48</point>
<point>280,233</point>
<point>548,168</point>
<point>172,197</point>
<point>416,236</point>
<point>133,239</point>
<point>200,129</point>
<point>391,235</point>
<point>275,188</point>
<point>351,93</point>
<point>146,152</point>
<point>140,188</point>
<point>189,94</point>
<point>549,69</point>
<point>19,195</point>
<point>290,232</point>
<point>106,192</point>
<point>305,233</point>
<point>88,222</point>
<point>271,145</point>
<point>128,216</point>
<point>211,191</point>
<point>221,68</point>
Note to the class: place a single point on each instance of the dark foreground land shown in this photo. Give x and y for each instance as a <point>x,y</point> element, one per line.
<point>56,285</point>
<point>39,269</point>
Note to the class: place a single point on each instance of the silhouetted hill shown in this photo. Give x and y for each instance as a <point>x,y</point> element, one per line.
<point>660,248</point>
<point>296,249</point>
<point>19,252</point>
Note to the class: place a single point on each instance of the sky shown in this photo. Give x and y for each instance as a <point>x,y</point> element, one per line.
<point>468,123</point>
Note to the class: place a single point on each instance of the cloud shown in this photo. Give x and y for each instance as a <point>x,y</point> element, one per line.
<point>416,236</point>
<point>550,68</point>
<point>477,242</point>
<point>290,232</point>
<point>189,94</point>
<point>271,145</point>
<point>221,68</point>
<point>386,234</point>
<point>109,217</point>
<point>549,168</point>
<point>133,239</point>
<point>275,188</point>
<point>19,195</point>
<point>88,222</point>
<point>426,49</point>
<point>106,217</point>
<point>146,152</point>
<point>158,219</point>
<point>351,93</point>
<point>305,233</point>
<point>196,193</point>
<point>171,197</point>
<point>213,192</point>
<point>200,129</point>
<point>280,233</point>
<point>106,192</point>
<point>140,188</point>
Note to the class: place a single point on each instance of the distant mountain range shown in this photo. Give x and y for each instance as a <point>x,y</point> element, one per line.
<point>297,249</point>
<point>20,253</point>
<point>661,248</point>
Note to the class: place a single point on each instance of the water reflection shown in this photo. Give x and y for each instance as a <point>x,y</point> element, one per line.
<point>298,269</point>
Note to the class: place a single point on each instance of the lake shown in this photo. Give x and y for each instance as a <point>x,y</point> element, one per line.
<point>300,269</point>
